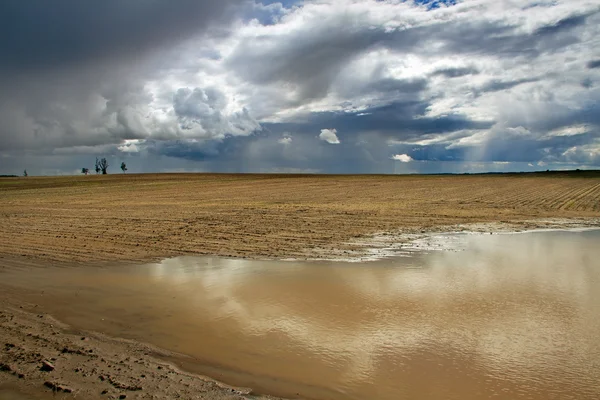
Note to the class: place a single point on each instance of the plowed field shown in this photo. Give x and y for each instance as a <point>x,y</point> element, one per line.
<point>143,217</point>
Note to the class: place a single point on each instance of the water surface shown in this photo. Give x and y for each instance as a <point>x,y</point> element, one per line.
<point>510,317</point>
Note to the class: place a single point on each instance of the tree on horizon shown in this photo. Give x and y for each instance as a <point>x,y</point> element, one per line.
<point>123,167</point>
<point>103,165</point>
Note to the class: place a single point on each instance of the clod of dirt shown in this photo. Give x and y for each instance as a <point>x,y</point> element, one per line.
<point>57,387</point>
<point>71,351</point>
<point>5,368</point>
<point>123,386</point>
<point>47,366</point>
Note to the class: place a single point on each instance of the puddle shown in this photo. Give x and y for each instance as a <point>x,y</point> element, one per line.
<point>509,317</point>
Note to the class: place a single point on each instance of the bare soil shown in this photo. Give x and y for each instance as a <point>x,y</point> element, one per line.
<point>146,217</point>
<point>90,220</point>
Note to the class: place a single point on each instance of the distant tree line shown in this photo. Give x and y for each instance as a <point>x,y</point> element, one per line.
<point>101,166</point>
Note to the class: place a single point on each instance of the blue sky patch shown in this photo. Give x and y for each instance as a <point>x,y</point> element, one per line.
<point>433,4</point>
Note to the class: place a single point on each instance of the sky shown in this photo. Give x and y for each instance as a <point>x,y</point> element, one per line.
<point>317,86</point>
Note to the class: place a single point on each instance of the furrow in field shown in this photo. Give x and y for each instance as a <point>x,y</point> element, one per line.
<point>584,202</point>
<point>577,194</point>
<point>591,202</point>
<point>552,195</point>
<point>574,196</point>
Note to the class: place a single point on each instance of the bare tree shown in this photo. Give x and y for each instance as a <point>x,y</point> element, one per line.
<point>123,167</point>
<point>97,166</point>
<point>85,171</point>
<point>103,164</point>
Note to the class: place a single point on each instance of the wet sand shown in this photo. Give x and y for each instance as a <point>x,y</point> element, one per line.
<point>509,317</point>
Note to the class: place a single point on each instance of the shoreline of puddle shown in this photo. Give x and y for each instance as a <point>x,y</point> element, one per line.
<point>388,245</point>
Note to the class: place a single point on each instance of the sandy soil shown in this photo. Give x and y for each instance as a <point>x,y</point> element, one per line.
<point>108,219</point>
<point>146,217</point>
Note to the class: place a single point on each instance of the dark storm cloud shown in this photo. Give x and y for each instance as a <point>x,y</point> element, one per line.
<point>593,64</point>
<point>488,37</point>
<point>564,24</point>
<point>401,120</point>
<point>398,85</point>
<point>307,152</point>
<point>74,73</point>
<point>526,149</point>
<point>496,86</point>
<point>312,59</point>
<point>359,151</point>
<point>503,38</point>
<point>364,141</point>
<point>434,152</point>
<point>456,72</point>
<point>40,34</point>
<point>196,151</point>
<point>507,147</point>
<point>394,89</point>
<point>564,117</point>
<point>587,83</point>
<point>464,37</point>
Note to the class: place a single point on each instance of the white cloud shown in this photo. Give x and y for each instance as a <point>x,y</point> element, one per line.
<point>130,146</point>
<point>402,158</point>
<point>329,135</point>
<point>207,113</point>
<point>286,140</point>
<point>572,130</point>
<point>589,153</point>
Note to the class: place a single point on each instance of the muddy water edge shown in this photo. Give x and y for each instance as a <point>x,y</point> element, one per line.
<point>507,317</point>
